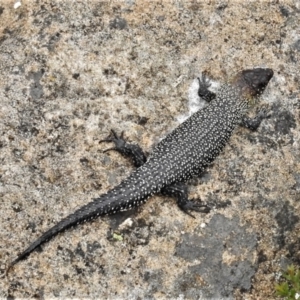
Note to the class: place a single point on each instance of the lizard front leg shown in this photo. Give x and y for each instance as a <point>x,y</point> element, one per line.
<point>253,123</point>
<point>203,90</point>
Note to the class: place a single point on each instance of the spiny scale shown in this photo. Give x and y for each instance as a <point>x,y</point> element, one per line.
<point>186,152</point>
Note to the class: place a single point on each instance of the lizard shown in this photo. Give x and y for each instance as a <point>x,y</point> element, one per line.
<point>181,155</point>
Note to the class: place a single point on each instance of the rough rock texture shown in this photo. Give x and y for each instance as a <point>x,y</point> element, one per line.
<point>72,70</point>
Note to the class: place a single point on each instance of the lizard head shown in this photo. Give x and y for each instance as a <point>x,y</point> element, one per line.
<point>252,83</point>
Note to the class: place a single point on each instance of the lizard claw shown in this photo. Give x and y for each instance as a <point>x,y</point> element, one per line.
<point>203,90</point>
<point>203,81</point>
<point>119,141</point>
<point>192,205</point>
<point>264,112</point>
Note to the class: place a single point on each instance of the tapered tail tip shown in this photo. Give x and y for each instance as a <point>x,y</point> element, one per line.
<point>10,266</point>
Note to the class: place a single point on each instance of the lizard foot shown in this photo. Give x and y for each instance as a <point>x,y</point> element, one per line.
<point>132,151</point>
<point>195,206</point>
<point>203,90</point>
<point>118,141</point>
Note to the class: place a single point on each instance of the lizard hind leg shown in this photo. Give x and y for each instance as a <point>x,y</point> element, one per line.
<point>180,192</point>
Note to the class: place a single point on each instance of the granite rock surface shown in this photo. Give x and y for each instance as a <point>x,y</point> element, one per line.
<point>72,70</point>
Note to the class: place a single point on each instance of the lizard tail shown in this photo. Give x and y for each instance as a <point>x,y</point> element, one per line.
<point>98,207</point>
<point>85,213</point>
<point>127,195</point>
